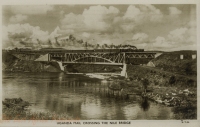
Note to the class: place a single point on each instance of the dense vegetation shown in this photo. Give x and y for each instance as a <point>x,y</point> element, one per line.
<point>169,89</point>
<point>171,62</point>
<point>158,78</point>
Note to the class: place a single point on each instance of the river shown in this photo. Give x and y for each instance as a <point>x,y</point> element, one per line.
<point>79,96</point>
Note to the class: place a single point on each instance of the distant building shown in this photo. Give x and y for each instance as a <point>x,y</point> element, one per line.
<point>194,56</point>
<point>181,57</point>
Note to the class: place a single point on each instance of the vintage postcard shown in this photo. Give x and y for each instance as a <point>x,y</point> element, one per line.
<point>99,63</point>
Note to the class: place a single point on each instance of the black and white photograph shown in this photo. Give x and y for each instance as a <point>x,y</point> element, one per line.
<point>122,62</point>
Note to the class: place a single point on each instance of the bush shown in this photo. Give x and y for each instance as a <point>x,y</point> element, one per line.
<point>131,79</point>
<point>188,69</point>
<point>145,84</point>
<point>172,80</point>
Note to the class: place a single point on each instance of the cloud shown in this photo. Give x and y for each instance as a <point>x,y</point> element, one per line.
<point>68,31</point>
<point>86,35</point>
<point>22,34</point>
<point>139,37</point>
<point>154,13</point>
<point>95,18</point>
<point>143,13</point>
<point>192,23</point>
<point>124,24</point>
<point>160,43</point>
<point>178,39</point>
<point>192,35</point>
<point>139,40</point>
<point>174,11</point>
<point>132,13</point>
<point>178,34</point>
<point>127,27</point>
<point>108,19</point>
<point>30,9</point>
<point>137,15</point>
<point>72,22</point>
<point>17,18</point>
<point>72,18</point>
<point>98,17</point>
<point>55,33</point>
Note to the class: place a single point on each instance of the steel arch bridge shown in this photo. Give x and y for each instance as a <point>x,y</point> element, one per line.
<point>99,57</point>
<point>90,57</point>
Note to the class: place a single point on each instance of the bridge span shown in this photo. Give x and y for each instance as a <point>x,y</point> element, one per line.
<point>94,57</point>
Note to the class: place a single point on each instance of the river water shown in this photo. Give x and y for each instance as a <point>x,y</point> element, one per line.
<point>80,97</point>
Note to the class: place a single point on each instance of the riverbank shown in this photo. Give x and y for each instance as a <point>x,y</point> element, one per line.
<point>18,109</point>
<point>179,92</point>
<point>178,98</point>
<point>183,101</point>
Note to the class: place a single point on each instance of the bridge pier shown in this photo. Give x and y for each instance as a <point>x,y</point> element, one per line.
<point>62,68</point>
<point>123,72</point>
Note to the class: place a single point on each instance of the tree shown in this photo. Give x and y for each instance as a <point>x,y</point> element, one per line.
<point>190,82</point>
<point>145,83</point>
<point>144,104</point>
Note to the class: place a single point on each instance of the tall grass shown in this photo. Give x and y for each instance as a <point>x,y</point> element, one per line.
<point>13,114</point>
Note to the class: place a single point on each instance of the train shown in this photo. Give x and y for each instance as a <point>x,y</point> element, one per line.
<point>62,50</point>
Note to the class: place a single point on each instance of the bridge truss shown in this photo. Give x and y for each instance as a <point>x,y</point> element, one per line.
<point>99,58</point>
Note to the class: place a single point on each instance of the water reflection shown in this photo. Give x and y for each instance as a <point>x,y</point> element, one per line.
<point>79,97</point>
<point>144,104</point>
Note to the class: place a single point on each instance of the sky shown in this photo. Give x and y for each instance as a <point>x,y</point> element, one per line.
<point>166,27</point>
